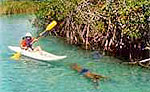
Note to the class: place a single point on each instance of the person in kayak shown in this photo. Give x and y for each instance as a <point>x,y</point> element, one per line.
<point>28,41</point>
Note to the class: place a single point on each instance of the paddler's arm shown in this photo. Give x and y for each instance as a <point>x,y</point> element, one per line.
<point>37,38</point>
<point>34,40</point>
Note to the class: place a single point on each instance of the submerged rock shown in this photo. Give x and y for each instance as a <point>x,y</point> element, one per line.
<point>96,55</point>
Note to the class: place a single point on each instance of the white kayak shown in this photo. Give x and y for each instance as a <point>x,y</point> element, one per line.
<point>38,55</point>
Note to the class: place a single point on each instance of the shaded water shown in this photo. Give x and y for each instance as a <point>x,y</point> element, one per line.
<point>27,75</point>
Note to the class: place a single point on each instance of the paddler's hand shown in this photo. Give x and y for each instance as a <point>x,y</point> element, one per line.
<point>35,40</point>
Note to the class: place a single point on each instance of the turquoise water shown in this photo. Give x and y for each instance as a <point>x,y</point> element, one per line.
<point>27,75</point>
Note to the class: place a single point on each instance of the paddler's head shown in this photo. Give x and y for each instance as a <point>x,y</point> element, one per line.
<point>28,36</point>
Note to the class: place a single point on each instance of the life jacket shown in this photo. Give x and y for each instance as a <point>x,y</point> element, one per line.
<point>23,43</point>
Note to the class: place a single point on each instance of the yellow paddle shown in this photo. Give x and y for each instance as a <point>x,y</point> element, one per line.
<point>48,28</point>
<point>17,55</point>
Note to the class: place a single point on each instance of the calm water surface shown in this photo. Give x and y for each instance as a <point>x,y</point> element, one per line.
<point>27,75</point>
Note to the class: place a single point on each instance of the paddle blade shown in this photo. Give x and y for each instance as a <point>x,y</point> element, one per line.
<point>16,56</point>
<point>51,25</point>
<point>48,28</point>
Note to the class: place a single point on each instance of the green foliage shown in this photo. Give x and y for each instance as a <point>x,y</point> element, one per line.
<point>129,11</point>
<point>15,7</point>
<point>56,9</point>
